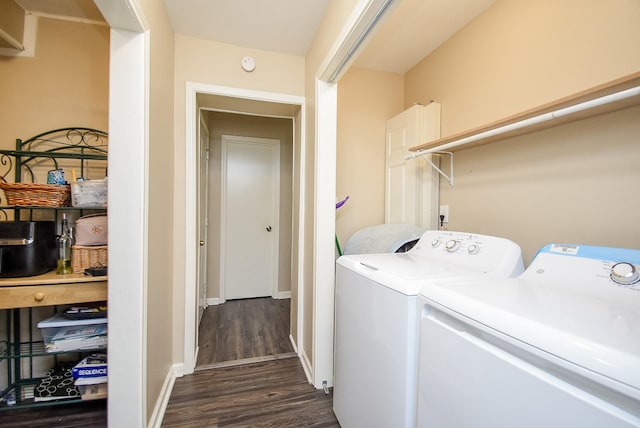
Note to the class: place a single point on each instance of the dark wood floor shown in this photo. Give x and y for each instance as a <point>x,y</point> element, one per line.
<point>243,330</point>
<point>224,391</point>
<point>267,394</point>
<point>82,415</point>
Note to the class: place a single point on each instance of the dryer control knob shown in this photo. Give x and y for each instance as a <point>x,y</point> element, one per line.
<point>624,273</point>
<point>452,245</point>
<point>435,243</point>
<point>473,249</point>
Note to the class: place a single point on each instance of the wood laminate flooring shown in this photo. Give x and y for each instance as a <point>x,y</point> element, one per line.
<point>267,394</point>
<point>245,330</point>
<point>81,415</point>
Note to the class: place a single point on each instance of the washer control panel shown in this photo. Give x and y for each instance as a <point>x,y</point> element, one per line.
<point>586,264</point>
<point>459,242</point>
<point>625,273</point>
<point>472,250</point>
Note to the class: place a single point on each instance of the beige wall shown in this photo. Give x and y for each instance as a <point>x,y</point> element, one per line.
<point>161,254</point>
<point>218,64</point>
<point>65,84</point>
<point>366,100</point>
<point>219,124</point>
<point>572,183</point>
<point>520,54</point>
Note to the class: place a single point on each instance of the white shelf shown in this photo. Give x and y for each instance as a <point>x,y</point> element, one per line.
<point>611,96</point>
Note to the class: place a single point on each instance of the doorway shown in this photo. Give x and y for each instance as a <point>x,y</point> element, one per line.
<point>251,210</point>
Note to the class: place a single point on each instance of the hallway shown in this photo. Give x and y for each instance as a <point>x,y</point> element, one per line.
<point>243,331</point>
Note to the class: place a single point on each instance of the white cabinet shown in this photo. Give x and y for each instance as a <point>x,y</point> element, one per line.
<point>411,185</point>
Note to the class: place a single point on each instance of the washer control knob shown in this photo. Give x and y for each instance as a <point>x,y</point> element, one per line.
<point>624,273</point>
<point>452,245</point>
<point>435,243</point>
<point>473,249</point>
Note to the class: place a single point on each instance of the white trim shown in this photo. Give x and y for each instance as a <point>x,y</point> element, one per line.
<point>191,233</point>
<point>301,232</point>
<point>123,14</point>
<point>306,364</point>
<point>160,408</point>
<point>213,301</point>
<point>324,233</point>
<point>192,89</point>
<point>275,162</point>
<point>366,15</point>
<point>203,206</point>
<point>283,295</point>
<point>293,345</point>
<point>128,252</point>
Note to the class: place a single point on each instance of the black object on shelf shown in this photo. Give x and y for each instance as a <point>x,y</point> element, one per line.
<point>27,248</point>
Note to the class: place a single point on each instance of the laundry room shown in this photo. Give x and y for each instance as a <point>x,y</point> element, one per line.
<point>566,183</point>
<point>511,163</point>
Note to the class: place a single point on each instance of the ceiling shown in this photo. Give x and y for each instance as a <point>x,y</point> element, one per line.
<point>413,29</point>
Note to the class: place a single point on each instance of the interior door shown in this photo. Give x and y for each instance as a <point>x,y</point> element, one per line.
<point>250,212</point>
<point>411,194</point>
<point>203,214</point>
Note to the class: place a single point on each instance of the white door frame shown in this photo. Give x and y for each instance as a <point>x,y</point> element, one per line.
<point>128,211</point>
<point>223,209</point>
<point>203,224</point>
<point>191,239</point>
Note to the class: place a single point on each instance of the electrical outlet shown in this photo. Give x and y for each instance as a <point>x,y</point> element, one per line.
<point>444,211</point>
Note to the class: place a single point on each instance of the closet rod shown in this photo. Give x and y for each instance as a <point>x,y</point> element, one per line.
<point>596,102</point>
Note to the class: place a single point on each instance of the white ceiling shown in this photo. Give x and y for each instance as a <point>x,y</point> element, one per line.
<point>285,26</point>
<point>413,29</point>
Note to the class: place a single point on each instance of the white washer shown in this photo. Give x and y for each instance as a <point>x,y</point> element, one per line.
<point>558,346</point>
<point>376,319</point>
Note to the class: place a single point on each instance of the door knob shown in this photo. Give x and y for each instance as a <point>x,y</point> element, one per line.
<point>268,228</point>
<point>201,243</point>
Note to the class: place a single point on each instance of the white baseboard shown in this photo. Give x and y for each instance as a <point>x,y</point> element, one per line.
<point>293,344</point>
<point>306,366</point>
<point>165,393</point>
<point>212,301</point>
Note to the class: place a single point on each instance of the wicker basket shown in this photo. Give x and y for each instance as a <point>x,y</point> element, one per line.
<point>83,257</point>
<point>33,194</point>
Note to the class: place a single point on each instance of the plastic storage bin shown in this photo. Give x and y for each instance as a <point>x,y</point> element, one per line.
<point>62,334</point>
<point>89,193</point>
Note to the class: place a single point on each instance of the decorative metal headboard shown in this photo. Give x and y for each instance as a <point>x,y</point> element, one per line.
<point>65,143</point>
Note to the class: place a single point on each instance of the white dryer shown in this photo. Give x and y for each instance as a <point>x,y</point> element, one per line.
<point>556,347</point>
<point>376,319</point>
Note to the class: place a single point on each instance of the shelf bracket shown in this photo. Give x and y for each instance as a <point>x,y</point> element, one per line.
<point>423,154</point>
